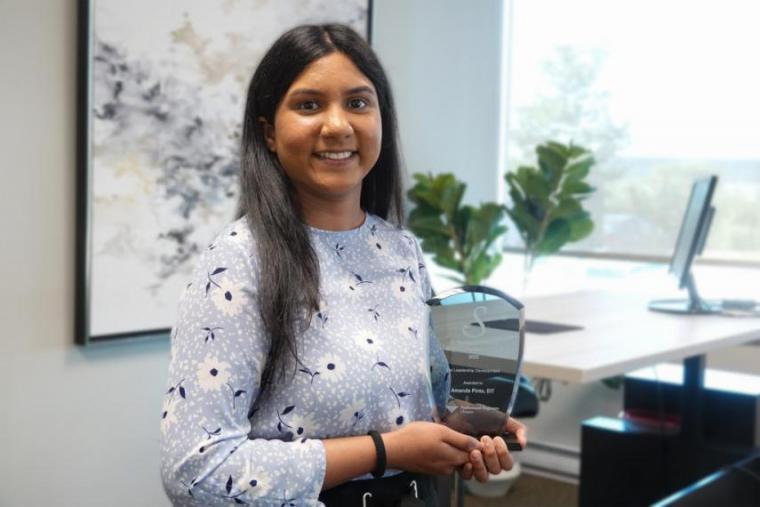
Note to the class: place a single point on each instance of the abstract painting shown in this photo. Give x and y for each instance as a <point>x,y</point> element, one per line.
<point>161,95</point>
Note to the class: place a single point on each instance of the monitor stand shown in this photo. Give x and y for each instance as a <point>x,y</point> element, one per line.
<point>693,305</point>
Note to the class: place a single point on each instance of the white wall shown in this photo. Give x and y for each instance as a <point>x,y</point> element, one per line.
<point>77,427</point>
<point>443,58</point>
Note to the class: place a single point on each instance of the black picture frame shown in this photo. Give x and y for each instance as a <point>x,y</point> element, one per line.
<point>84,334</point>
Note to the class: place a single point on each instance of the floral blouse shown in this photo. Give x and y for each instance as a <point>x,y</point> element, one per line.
<point>364,359</point>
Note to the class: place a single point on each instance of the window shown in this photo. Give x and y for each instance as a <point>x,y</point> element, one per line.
<point>662,92</point>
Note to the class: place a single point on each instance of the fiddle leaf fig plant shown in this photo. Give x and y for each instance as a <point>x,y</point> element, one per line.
<point>460,237</point>
<point>547,200</point>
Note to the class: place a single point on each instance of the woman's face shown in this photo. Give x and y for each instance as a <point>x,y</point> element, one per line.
<point>327,130</point>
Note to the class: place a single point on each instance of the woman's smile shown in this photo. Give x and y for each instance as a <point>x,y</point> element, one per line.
<point>336,157</point>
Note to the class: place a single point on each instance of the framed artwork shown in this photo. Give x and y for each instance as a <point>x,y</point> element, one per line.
<point>161,95</point>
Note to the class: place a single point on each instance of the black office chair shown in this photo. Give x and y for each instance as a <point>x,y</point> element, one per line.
<point>526,402</point>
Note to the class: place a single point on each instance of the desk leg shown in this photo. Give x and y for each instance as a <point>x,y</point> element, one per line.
<point>691,400</point>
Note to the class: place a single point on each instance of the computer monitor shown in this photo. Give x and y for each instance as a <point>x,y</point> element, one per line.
<point>691,241</point>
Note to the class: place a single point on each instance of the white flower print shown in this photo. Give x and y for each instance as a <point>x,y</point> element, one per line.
<point>367,340</point>
<point>213,374</point>
<point>353,414</point>
<point>302,426</point>
<point>229,297</point>
<point>377,380</point>
<point>168,416</point>
<point>330,367</point>
<point>254,481</point>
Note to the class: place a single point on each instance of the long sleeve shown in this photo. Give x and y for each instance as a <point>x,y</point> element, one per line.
<point>218,351</point>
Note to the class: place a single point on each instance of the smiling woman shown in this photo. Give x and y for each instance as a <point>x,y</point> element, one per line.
<point>327,135</point>
<point>290,354</point>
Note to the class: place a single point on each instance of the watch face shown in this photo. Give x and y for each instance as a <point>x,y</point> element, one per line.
<point>481,331</point>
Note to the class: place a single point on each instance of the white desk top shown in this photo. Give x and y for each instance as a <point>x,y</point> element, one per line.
<point>620,335</point>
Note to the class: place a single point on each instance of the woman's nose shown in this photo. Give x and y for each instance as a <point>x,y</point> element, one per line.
<point>336,123</point>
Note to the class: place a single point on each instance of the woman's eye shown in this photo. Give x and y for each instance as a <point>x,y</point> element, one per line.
<point>358,103</point>
<point>309,105</point>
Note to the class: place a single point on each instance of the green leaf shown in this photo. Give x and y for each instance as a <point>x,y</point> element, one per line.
<point>574,151</point>
<point>459,236</point>
<point>576,187</point>
<point>530,180</point>
<point>461,223</point>
<point>425,195</point>
<point>579,167</point>
<point>526,223</point>
<point>536,209</point>
<point>581,226</point>
<point>555,237</point>
<point>552,162</point>
<point>483,266</point>
<point>424,210</point>
<point>560,148</point>
<point>478,266</point>
<point>423,225</point>
<point>448,261</point>
<point>438,245</point>
<point>535,185</point>
<point>566,207</point>
<point>451,197</point>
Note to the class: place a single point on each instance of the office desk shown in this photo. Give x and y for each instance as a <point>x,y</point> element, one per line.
<point>620,335</point>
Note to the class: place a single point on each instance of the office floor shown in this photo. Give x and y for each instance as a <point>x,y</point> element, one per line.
<point>531,491</point>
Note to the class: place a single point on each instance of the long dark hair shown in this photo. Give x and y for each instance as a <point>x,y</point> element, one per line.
<point>288,285</point>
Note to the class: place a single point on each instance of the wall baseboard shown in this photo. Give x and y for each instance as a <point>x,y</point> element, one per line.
<point>552,461</point>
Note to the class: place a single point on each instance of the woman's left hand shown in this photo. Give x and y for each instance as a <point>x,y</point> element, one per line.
<point>494,457</point>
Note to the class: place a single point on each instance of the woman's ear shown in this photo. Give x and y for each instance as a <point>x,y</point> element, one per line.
<point>268,129</point>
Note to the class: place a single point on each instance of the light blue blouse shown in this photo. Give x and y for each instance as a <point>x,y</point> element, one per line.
<point>363,366</point>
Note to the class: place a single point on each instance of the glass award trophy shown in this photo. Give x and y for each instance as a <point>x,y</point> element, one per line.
<point>481,331</point>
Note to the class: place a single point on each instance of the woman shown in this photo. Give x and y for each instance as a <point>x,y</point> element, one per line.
<point>304,326</point>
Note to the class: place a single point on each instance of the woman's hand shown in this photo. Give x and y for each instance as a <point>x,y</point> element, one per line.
<point>494,457</point>
<point>428,448</point>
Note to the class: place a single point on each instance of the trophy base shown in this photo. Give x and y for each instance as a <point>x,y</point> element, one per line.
<point>509,438</point>
<point>512,443</point>
<point>477,421</point>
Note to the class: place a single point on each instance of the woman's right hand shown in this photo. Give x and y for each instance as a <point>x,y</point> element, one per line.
<point>428,448</point>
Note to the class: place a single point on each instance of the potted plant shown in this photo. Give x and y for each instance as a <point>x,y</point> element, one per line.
<point>461,237</point>
<point>546,206</point>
